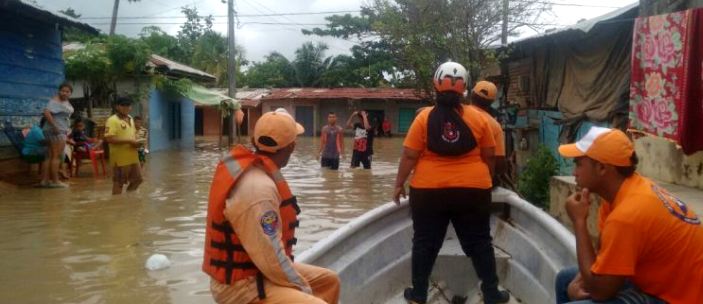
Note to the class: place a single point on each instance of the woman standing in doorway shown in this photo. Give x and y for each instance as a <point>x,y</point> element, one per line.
<point>57,113</point>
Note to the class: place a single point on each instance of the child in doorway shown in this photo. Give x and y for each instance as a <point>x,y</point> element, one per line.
<point>142,139</point>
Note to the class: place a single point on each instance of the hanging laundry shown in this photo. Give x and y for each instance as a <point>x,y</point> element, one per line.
<point>667,82</point>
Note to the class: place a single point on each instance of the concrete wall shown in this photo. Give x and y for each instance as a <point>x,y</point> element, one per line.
<point>560,188</point>
<point>31,68</point>
<point>211,121</point>
<point>662,160</point>
<point>160,121</point>
<point>289,105</point>
<point>343,109</point>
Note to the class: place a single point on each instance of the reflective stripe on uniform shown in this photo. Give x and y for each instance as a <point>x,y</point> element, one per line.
<point>287,266</point>
<point>232,165</point>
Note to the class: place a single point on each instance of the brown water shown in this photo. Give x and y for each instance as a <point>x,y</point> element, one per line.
<point>82,245</point>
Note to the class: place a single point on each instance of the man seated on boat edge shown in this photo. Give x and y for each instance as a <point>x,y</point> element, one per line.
<point>251,221</point>
<point>651,244</point>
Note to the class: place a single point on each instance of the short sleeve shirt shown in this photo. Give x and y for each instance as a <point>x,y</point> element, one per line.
<point>61,112</point>
<point>651,237</point>
<point>496,130</point>
<point>435,171</point>
<point>121,154</point>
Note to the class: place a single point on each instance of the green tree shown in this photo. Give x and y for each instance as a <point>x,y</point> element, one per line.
<point>192,30</point>
<point>310,64</point>
<point>211,55</point>
<point>276,71</point>
<point>102,62</point>
<point>161,43</point>
<point>371,61</point>
<point>415,36</point>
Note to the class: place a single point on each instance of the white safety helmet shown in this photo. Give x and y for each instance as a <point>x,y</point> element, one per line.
<point>450,76</point>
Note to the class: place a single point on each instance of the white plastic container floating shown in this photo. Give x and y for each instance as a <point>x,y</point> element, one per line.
<point>371,254</point>
<point>157,262</point>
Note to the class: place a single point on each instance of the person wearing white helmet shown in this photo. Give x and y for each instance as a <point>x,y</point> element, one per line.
<point>450,149</point>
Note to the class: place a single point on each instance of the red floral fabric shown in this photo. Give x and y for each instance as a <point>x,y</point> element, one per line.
<point>667,79</point>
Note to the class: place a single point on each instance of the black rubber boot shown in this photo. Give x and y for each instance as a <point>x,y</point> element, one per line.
<point>408,295</point>
<point>496,296</point>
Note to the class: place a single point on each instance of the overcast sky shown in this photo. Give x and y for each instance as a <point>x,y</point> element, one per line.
<point>284,34</point>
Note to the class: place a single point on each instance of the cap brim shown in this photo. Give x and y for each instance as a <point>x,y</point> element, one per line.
<point>570,151</point>
<point>299,128</point>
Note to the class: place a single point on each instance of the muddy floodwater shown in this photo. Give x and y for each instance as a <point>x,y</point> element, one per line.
<point>82,245</point>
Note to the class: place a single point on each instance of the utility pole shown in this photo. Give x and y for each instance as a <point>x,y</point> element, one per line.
<point>113,24</point>
<point>231,66</point>
<point>504,34</point>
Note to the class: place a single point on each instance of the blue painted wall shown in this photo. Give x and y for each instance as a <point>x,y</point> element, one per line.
<point>549,136</point>
<point>31,68</point>
<point>171,122</point>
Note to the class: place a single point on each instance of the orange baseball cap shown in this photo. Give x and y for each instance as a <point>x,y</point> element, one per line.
<point>486,90</point>
<point>605,145</point>
<point>276,130</point>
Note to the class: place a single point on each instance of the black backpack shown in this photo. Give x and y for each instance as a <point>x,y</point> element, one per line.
<point>447,132</point>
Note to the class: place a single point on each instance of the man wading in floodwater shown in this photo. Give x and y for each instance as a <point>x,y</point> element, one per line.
<point>251,221</point>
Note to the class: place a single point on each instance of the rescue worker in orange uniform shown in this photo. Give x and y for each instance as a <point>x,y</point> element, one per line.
<point>482,96</point>
<point>450,151</point>
<point>251,221</point>
<point>651,243</point>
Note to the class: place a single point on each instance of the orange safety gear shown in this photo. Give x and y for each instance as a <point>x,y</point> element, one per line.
<point>225,259</point>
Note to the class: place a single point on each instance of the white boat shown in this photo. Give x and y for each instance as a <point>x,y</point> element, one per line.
<point>371,254</point>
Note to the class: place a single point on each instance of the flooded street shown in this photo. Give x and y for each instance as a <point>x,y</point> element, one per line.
<point>82,245</point>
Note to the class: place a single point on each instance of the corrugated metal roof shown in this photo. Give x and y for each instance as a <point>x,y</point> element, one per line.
<point>171,65</point>
<point>344,93</point>
<point>32,10</point>
<point>585,26</point>
<point>248,97</point>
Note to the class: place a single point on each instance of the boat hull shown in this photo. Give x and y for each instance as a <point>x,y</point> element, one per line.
<point>372,255</point>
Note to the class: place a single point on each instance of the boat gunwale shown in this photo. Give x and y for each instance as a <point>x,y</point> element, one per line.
<point>499,195</point>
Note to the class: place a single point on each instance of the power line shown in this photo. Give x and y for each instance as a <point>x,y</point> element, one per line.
<point>567,4</point>
<point>244,23</point>
<point>238,15</point>
<point>260,11</point>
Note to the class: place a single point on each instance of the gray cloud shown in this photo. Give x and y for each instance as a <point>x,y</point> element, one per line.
<point>259,39</point>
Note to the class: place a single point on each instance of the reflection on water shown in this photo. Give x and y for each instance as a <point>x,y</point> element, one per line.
<point>82,245</point>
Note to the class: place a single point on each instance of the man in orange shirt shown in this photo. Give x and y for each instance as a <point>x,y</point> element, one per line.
<point>651,244</point>
<point>482,96</point>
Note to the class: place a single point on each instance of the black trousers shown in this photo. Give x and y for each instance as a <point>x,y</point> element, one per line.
<point>361,157</point>
<point>332,163</point>
<point>468,210</point>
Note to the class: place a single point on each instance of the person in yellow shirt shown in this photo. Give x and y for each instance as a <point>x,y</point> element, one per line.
<point>120,134</point>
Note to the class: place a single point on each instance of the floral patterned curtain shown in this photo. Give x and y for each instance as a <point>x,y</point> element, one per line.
<point>666,86</point>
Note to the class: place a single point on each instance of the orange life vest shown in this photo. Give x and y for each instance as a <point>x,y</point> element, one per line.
<point>225,259</point>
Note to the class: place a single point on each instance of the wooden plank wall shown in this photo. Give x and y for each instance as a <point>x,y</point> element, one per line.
<point>31,68</point>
